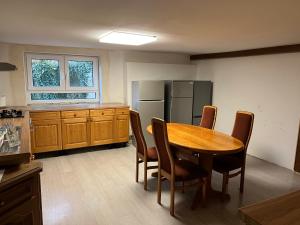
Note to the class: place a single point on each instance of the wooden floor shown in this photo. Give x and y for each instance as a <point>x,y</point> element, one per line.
<point>99,188</point>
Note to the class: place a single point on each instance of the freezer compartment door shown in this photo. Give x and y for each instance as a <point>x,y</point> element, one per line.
<point>182,89</point>
<point>151,90</point>
<point>181,110</point>
<point>148,110</point>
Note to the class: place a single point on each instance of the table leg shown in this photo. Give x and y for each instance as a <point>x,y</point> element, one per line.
<point>206,162</point>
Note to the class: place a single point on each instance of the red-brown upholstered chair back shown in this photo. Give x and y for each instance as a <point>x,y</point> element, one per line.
<point>209,115</point>
<point>137,132</point>
<point>243,125</point>
<point>160,134</point>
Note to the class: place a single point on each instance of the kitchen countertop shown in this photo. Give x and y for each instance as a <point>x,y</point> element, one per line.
<point>62,107</point>
<point>23,152</point>
<point>15,174</point>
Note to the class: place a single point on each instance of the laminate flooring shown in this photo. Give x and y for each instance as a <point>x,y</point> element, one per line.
<point>99,188</point>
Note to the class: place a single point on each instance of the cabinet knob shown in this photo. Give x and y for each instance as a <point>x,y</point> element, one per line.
<point>2,203</point>
<point>102,113</point>
<point>74,115</point>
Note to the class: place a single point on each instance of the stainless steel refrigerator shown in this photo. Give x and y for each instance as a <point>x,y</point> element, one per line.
<point>148,100</point>
<point>185,100</point>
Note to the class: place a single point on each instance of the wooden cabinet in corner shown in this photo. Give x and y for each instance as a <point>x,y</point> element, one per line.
<point>68,129</point>
<point>20,195</point>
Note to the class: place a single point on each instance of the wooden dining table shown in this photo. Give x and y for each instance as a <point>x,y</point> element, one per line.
<point>205,142</point>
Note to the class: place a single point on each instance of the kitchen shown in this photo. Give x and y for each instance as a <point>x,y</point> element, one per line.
<point>85,145</point>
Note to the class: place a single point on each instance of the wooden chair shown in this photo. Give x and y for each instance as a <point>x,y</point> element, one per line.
<point>225,164</point>
<point>143,154</point>
<point>173,169</point>
<point>209,116</point>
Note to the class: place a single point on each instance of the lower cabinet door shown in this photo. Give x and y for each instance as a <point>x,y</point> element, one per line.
<point>122,128</point>
<point>27,213</point>
<point>75,133</point>
<point>45,135</point>
<point>102,130</point>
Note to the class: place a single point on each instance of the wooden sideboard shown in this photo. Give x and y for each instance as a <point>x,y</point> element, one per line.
<point>20,195</point>
<point>283,210</point>
<point>58,128</point>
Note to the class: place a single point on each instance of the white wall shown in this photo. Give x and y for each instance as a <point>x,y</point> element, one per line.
<point>156,63</point>
<point>5,77</point>
<point>269,86</point>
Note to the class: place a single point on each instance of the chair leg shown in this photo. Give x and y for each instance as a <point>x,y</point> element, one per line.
<point>172,199</point>
<point>159,188</point>
<point>145,175</point>
<point>225,183</point>
<point>242,180</point>
<point>204,191</point>
<point>137,169</point>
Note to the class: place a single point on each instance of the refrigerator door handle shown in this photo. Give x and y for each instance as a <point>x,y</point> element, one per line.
<point>198,116</point>
<point>171,107</point>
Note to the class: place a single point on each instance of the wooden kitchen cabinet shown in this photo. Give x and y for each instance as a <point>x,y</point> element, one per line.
<point>45,135</point>
<point>102,130</point>
<point>75,128</point>
<point>75,133</point>
<point>20,195</point>
<point>121,128</point>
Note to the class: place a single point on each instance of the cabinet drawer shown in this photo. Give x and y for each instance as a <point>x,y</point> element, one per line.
<point>102,112</point>
<point>45,115</point>
<point>122,111</point>
<point>16,195</point>
<point>102,118</point>
<point>75,114</point>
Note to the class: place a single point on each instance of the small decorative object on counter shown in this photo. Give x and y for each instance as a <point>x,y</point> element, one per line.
<point>2,134</point>
<point>10,137</point>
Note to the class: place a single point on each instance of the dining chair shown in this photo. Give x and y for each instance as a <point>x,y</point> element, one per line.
<point>143,153</point>
<point>209,115</point>
<point>226,164</point>
<point>172,169</point>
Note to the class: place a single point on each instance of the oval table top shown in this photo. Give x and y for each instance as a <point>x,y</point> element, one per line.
<point>202,140</point>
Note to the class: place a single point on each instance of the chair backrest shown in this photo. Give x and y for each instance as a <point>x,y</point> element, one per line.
<point>209,115</point>
<point>243,125</point>
<point>136,127</point>
<point>160,134</point>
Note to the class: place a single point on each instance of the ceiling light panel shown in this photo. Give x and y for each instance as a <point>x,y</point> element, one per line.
<point>123,38</point>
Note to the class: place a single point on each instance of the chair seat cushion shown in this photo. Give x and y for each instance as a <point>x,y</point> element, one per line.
<point>152,154</point>
<point>187,170</point>
<point>227,163</point>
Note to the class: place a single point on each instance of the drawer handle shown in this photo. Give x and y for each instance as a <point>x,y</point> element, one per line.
<point>2,203</point>
<point>102,113</point>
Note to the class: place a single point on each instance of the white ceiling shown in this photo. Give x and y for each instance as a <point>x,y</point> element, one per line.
<point>188,26</point>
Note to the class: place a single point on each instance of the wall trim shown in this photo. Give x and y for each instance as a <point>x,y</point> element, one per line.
<point>249,52</point>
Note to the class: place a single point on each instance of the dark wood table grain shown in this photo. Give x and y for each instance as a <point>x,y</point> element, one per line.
<point>283,210</point>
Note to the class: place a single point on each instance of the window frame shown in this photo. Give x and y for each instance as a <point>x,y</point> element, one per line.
<point>95,72</point>
<point>64,79</point>
<point>60,60</point>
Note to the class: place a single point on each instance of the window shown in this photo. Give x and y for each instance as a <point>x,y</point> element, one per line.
<point>62,78</point>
